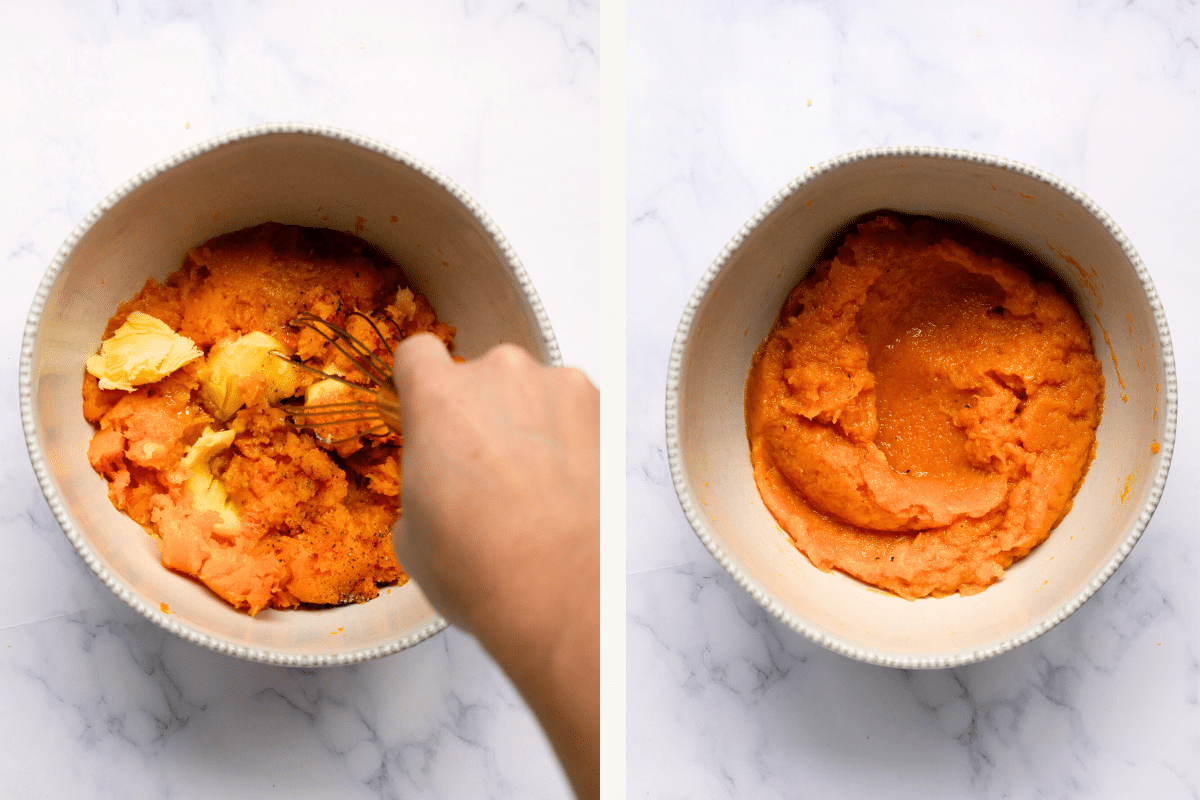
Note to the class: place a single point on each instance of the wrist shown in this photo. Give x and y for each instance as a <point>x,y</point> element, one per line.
<point>530,620</point>
<point>553,660</point>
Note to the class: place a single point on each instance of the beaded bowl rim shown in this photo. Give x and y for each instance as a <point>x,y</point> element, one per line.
<point>26,377</point>
<point>674,373</point>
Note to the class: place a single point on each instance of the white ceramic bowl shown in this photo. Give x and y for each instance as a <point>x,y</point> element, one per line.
<point>294,174</point>
<point>735,306</point>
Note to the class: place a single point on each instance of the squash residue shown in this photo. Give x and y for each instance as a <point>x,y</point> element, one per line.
<point>202,456</point>
<point>924,411</point>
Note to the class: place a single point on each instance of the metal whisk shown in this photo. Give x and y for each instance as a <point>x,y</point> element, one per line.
<point>382,410</point>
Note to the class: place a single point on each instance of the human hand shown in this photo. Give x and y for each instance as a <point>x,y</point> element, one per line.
<point>500,524</point>
<point>500,477</point>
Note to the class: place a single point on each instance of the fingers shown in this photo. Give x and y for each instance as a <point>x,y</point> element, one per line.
<point>414,356</point>
<point>522,390</point>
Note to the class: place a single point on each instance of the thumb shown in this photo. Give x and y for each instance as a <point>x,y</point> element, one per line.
<point>415,356</point>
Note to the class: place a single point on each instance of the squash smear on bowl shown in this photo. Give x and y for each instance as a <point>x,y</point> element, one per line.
<point>924,411</point>
<point>191,406</point>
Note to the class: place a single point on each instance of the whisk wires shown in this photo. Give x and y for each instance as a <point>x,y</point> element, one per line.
<point>381,411</point>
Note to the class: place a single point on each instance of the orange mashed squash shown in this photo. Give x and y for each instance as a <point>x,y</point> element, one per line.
<point>923,412</point>
<point>263,513</point>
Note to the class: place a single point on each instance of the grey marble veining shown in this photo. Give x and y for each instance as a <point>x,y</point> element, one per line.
<point>728,102</point>
<point>501,96</point>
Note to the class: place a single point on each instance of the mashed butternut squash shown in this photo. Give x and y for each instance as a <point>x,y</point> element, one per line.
<point>923,412</point>
<point>197,448</point>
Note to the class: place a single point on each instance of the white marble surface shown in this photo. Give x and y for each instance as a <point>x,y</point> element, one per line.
<point>501,96</point>
<point>727,102</point>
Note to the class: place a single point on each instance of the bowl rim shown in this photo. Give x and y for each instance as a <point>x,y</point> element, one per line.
<point>764,598</point>
<point>37,307</point>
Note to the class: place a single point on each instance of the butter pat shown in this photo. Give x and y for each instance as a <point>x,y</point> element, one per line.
<point>405,307</point>
<point>327,391</point>
<point>246,357</point>
<point>207,490</point>
<point>143,350</point>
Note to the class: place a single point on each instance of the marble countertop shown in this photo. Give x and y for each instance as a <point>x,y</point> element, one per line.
<point>502,97</point>
<point>727,102</point>
<point>724,103</point>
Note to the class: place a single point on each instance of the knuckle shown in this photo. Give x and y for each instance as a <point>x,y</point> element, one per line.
<point>576,385</point>
<point>511,358</point>
<point>575,377</point>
